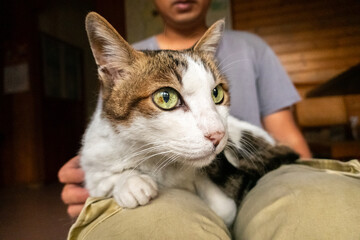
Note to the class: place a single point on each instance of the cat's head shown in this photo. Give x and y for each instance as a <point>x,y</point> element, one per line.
<point>174,103</point>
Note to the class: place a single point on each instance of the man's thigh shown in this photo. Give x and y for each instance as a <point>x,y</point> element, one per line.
<point>299,202</point>
<point>174,214</point>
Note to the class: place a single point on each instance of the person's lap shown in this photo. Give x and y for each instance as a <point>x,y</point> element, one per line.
<point>299,202</point>
<point>174,214</point>
<point>293,202</point>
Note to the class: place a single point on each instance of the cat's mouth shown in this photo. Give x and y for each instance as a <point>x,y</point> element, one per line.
<point>206,158</point>
<point>202,160</point>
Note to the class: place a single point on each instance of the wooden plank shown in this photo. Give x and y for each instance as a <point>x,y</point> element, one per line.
<point>315,76</point>
<point>254,4</point>
<point>353,106</point>
<point>332,112</point>
<point>319,54</point>
<point>301,16</point>
<point>348,150</point>
<point>309,24</point>
<point>322,43</point>
<point>327,11</point>
<point>313,34</point>
<point>324,64</point>
<point>304,89</point>
<point>244,14</point>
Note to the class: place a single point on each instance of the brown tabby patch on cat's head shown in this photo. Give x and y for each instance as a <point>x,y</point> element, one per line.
<point>149,73</point>
<point>129,77</point>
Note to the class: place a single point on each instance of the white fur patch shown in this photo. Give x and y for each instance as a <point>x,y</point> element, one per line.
<point>222,205</point>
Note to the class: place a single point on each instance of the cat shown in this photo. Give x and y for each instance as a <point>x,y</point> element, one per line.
<point>162,121</point>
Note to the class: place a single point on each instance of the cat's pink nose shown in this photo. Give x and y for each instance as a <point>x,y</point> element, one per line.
<point>215,137</point>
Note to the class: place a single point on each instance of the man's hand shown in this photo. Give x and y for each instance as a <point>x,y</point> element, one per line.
<point>73,193</point>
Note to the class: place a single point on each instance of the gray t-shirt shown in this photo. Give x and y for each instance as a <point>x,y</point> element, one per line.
<point>259,84</point>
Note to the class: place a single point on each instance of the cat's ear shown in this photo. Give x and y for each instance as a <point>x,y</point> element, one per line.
<point>210,40</point>
<point>112,53</point>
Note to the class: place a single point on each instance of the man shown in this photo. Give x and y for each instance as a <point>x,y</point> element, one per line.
<point>261,94</point>
<point>251,80</point>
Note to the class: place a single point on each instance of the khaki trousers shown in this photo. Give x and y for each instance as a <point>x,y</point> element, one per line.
<point>319,201</point>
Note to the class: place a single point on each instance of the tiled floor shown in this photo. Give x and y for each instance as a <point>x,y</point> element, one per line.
<point>35,213</point>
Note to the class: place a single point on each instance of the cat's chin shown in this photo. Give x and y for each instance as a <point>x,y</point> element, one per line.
<point>206,159</point>
<point>200,161</point>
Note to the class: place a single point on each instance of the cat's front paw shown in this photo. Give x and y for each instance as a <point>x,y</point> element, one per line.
<point>136,190</point>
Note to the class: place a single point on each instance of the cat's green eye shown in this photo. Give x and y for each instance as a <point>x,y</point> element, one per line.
<point>166,98</point>
<point>218,94</point>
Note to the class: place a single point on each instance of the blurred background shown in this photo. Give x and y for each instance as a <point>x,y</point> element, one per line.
<point>49,86</point>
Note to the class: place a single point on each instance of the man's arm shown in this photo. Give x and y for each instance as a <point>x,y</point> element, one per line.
<point>73,193</point>
<point>281,125</point>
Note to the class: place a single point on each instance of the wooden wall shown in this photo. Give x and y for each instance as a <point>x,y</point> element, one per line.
<point>315,40</point>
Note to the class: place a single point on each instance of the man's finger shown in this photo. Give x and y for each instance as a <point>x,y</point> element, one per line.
<point>71,172</point>
<point>74,210</point>
<point>74,194</point>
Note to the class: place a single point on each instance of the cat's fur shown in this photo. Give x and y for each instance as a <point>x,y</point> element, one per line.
<point>132,147</point>
<point>247,157</point>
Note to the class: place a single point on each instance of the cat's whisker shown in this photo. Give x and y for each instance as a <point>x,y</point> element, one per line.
<point>234,151</point>
<point>225,68</point>
<point>261,145</point>
<point>250,147</point>
<point>193,146</point>
<point>162,162</point>
<point>247,144</point>
<point>228,59</point>
<point>245,152</point>
<point>146,158</point>
<point>143,153</point>
<point>133,155</point>
<point>256,160</point>
<point>170,160</point>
